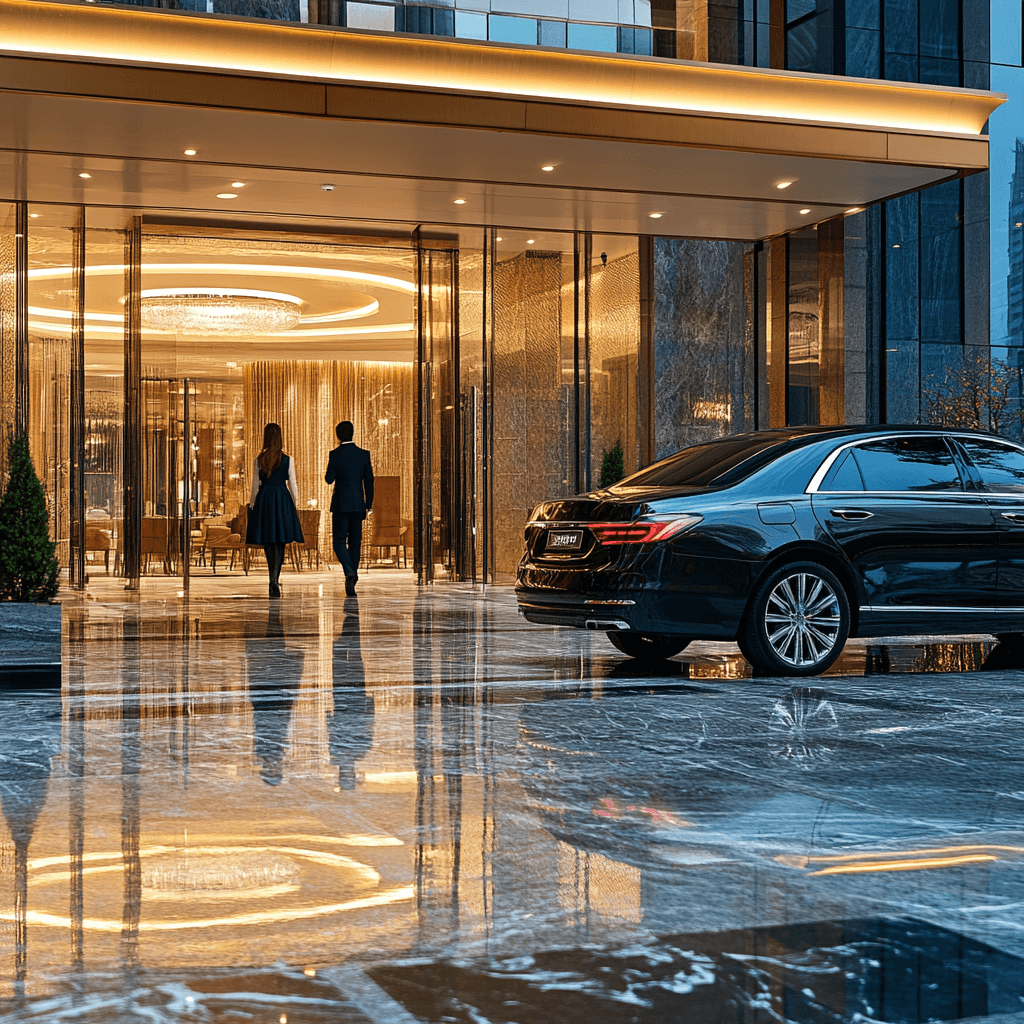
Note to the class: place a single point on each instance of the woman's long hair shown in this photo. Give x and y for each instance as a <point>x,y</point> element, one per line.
<point>270,458</point>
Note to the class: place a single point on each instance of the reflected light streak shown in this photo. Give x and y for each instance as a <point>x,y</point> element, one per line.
<point>199,841</point>
<point>905,865</point>
<point>398,895</point>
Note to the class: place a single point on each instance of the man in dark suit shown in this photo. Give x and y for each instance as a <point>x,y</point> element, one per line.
<point>348,468</point>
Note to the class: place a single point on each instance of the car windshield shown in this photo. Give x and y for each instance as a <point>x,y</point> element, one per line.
<point>704,464</point>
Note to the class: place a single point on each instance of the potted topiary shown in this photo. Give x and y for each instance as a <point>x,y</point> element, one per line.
<point>30,621</point>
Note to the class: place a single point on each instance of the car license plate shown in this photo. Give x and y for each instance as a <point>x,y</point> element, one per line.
<point>564,540</point>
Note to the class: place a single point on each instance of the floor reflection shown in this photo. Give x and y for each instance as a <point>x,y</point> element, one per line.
<point>827,972</point>
<point>230,792</point>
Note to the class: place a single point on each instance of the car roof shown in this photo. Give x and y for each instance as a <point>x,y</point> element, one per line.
<point>812,434</point>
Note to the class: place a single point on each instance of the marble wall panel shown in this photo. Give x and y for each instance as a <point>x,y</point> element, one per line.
<point>701,360</point>
<point>531,408</point>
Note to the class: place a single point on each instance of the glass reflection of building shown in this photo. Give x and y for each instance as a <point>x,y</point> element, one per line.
<point>1015,254</point>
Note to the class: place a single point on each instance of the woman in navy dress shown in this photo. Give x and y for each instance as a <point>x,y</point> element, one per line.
<point>273,521</point>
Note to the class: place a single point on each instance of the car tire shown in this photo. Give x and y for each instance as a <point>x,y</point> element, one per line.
<point>647,646</point>
<point>797,623</point>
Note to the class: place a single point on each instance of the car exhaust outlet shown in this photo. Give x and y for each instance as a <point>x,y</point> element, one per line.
<point>606,625</point>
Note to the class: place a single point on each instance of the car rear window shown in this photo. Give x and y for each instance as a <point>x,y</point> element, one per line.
<point>703,464</point>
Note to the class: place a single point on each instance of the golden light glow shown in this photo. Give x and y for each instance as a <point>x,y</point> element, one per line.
<point>85,175</point>
<point>783,184</point>
<point>654,216</point>
<point>238,184</point>
<point>276,49</point>
<point>806,210</point>
<point>275,270</point>
<point>853,209</point>
<point>548,167</point>
<point>227,195</point>
<point>190,152</point>
<point>460,202</point>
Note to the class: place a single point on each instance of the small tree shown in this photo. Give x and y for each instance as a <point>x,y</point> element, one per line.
<point>612,466</point>
<point>28,563</point>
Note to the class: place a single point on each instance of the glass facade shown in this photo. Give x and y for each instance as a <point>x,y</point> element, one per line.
<point>485,370</point>
<point>910,311</point>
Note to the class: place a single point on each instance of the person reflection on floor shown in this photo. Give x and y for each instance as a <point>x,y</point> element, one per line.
<point>274,672</point>
<point>350,723</point>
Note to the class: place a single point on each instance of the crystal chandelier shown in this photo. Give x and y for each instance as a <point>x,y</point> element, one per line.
<point>219,311</point>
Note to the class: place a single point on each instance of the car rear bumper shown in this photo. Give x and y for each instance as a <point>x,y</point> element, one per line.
<point>707,601</point>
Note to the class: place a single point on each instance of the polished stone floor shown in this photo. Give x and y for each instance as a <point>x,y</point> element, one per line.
<point>414,806</point>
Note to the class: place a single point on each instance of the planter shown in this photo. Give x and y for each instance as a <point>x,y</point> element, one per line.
<point>30,645</point>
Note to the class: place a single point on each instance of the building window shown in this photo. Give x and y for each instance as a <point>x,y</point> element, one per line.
<point>373,16</point>
<point>552,33</point>
<point>635,40</point>
<point>428,21</point>
<point>593,37</point>
<point>470,26</point>
<point>504,29</point>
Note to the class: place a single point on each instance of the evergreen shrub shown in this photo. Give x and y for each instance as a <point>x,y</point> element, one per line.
<point>28,562</point>
<point>612,466</point>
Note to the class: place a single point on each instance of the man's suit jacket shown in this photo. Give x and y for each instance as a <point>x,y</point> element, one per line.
<point>348,468</point>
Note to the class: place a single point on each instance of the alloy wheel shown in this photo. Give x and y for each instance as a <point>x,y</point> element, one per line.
<point>802,619</point>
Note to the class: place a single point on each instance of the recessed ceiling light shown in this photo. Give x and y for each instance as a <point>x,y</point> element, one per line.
<point>227,195</point>
<point>853,209</point>
<point>33,215</point>
<point>190,152</point>
<point>783,184</point>
<point>238,184</point>
<point>85,175</point>
<point>806,209</point>
<point>499,239</point>
<point>897,245</point>
<point>548,167</point>
<point>529,241</point>
<point>460,202</point>
<point>654,216</point>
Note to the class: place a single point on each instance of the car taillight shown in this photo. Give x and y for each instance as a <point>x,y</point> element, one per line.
<point>642,531</point>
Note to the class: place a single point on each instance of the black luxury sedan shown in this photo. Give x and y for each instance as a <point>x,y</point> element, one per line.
<point>789,542</point>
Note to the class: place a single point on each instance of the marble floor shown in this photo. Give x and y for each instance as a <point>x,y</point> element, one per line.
<point>414,806</point>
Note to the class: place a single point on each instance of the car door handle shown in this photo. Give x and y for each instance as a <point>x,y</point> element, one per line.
<point>851,513</point>
<point>1014,517</point>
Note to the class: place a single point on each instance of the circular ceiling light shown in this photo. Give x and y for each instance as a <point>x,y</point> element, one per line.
<point>238,184</point>
<point>654,216</point>
<point>227,195</point>
<point>529,241</point>
<point>548,167</point>
<point>327,188</point>
<point>190,152</point>
<point>806,209</point>
<point>783,184</point>
<point>85,174</point>
<point>219,310</point>
<point>459,202</point>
